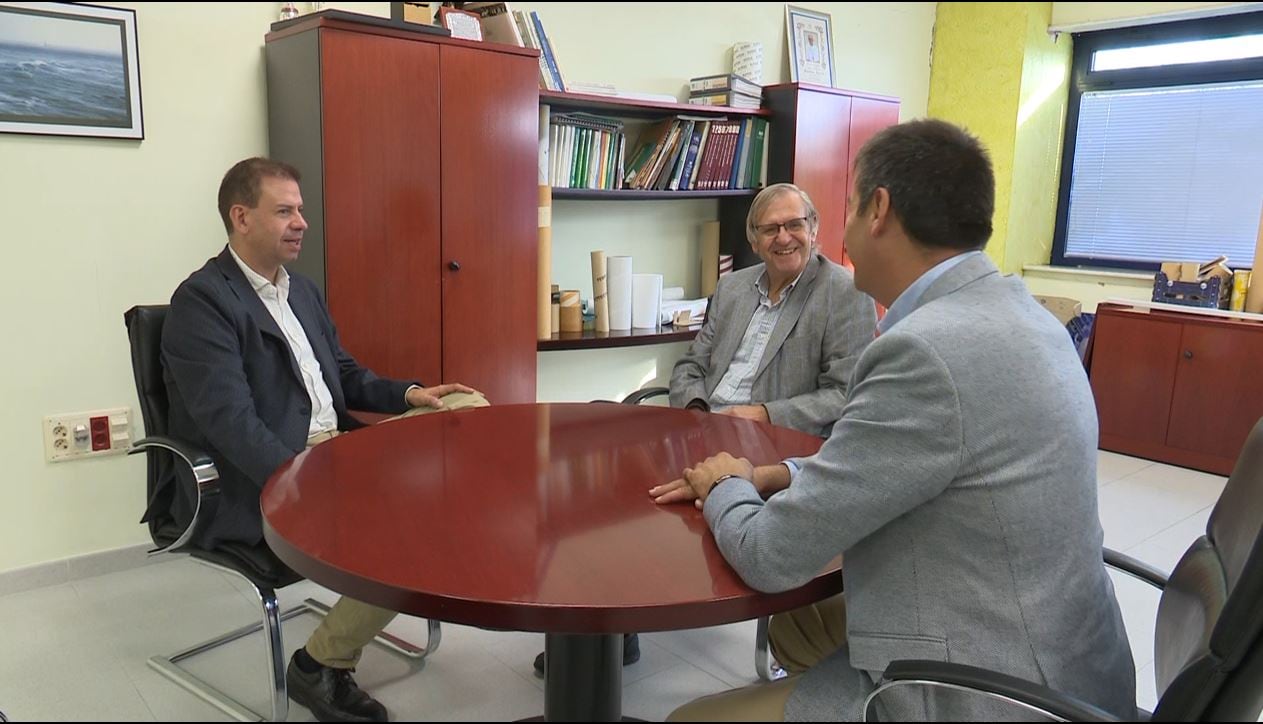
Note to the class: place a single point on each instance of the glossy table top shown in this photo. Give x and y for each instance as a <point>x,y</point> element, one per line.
<point>526,517</point>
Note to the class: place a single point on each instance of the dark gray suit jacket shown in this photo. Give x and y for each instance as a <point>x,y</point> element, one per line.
<point>960,487</point>
<point>802,377</point>
<point>236,391</point>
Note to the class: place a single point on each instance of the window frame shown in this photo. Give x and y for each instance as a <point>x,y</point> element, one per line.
<point>1083,79</point>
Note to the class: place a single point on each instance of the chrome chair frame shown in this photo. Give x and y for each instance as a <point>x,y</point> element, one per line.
<point>144,325</point>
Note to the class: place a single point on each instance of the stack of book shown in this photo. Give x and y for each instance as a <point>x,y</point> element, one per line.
<point>585,151</point>
<point>523,28</point>
<point>725,90</point>
<point>687,153</point>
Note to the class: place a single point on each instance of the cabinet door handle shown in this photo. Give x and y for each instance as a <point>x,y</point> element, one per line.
<point>1188,354</point>
<point>453,265</point>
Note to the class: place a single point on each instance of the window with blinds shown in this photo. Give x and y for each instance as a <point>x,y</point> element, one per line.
<point>1163,155</point>
<point>1167,174</point>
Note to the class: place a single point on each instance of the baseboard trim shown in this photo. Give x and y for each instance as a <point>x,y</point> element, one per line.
<point>75,568</point>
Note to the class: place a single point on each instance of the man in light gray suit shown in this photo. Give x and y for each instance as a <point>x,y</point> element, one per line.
<point>959,483</point>
<point>781,337</point>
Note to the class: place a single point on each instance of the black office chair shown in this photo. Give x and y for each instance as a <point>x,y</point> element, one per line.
<point>764,665</point>
<point>257,564</point>
<point>1208,659</point>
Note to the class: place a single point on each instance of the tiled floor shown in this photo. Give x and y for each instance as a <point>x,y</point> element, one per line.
<point>77,651</point>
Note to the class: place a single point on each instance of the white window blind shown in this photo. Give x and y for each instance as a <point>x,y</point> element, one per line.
<point>1168,174</point>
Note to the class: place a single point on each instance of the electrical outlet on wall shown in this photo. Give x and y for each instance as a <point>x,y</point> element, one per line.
<point>77,435</point>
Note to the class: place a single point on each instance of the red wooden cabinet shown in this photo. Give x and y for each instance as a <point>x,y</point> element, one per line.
<point>1175,386</point>
<point>418,156</point>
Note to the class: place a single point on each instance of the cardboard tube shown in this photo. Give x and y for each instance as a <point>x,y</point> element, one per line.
<point>710,257</point>
<point>1254,297</point>
<point>571,313</point>
<point>600,297</point>
<point>544,300</point>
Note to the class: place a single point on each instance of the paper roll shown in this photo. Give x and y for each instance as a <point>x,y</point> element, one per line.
<point>725,264</point>
<point>646,300</point>
<point>570,311</point>
<point>554,310</point>
<point>600,293</point>
<point>543,319</point>
<point>710,257</point>
<point>618,273</point>
<point>1254,296</point>
<point>672,294</point>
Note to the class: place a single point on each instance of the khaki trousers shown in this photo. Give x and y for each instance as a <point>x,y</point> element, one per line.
<point>799,640</point>
<point>351,624</point>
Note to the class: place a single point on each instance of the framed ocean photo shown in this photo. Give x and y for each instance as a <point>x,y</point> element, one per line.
<point>69,69</point>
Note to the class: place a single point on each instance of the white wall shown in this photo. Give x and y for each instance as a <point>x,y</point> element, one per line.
<point>1076,17</point>
<point>92,227</point>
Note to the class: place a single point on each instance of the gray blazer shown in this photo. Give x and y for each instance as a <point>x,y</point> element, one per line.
<point>802,377</point>
<point>960,482</point>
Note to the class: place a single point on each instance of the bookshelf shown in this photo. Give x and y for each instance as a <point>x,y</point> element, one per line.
<point>813,135</point>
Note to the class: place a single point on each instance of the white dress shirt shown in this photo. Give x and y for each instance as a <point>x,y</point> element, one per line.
<point>276,298</point>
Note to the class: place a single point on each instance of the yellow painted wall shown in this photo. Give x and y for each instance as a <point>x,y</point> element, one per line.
<point>1040,129</point>
<point>997,72</point>
<point>975,81</point>
<point>92,227</point>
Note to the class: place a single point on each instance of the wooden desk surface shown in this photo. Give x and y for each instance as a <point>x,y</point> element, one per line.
<point>526,517</point>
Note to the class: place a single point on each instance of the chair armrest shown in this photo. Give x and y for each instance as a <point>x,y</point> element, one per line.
<point>1022,693</point>
<point>205,476</point>
<point>1135,568</point>
<point>640,396</point>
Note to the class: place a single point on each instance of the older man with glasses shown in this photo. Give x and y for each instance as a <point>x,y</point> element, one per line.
<point>780,337</point>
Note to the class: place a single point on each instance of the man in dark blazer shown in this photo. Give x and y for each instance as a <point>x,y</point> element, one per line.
<point>255,374</point>
<point>781,337</point>
<point>959,483</point>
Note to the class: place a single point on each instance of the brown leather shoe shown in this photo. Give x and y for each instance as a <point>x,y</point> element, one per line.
<point>332,695</point>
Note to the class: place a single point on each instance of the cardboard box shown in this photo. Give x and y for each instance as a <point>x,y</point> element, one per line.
<point>1063,308</point>
<point>1181,271</point>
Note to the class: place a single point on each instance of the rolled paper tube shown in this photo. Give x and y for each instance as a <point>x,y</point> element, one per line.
<point>646,300</point>
<point>555,311</point>
<point>571,312</point>
<point>600,296</point>
<point>710,257</point>
<point>619,282</point>
<point>1254,295</point>
<point>544,326</point>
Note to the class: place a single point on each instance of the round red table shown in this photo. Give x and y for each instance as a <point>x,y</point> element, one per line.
<point>530,518</point>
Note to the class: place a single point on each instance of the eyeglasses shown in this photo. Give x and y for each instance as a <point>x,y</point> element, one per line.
<point>793,226</point>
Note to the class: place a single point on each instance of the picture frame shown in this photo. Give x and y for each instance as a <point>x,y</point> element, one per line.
<point>462,23</point>
<point>809,36</point>
<point>69,70</point>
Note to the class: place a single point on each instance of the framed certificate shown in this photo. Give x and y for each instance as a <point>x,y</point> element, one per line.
<point>810,42</point>
<point>462,23</point>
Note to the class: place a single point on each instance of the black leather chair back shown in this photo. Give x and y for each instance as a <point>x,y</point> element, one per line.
<point>255,562</point>
<point>1208,658</point>
<point>144,332</point>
